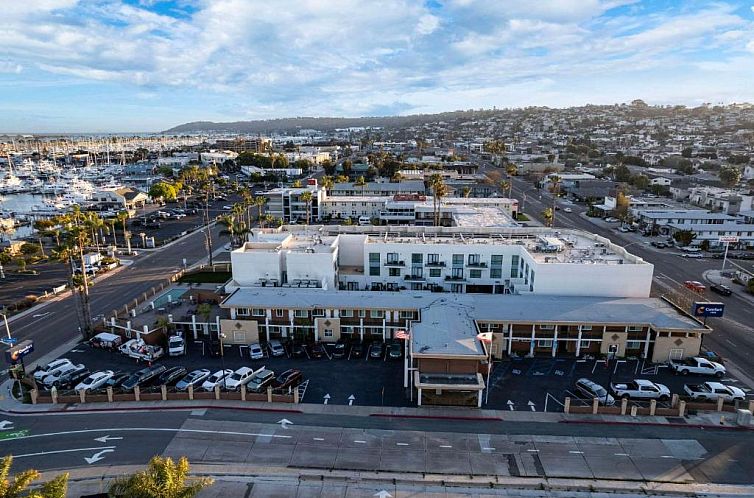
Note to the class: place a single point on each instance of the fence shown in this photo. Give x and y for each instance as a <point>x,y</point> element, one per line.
<point>161,393</point>
<point>677,408</point>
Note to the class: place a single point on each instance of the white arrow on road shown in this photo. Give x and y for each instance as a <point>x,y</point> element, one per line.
<point>105,439</point>
<point>350,399</point>
<point>39,315</point>
<point>510,405</point>
<point>284,423</point>
<point>326,397</point>
<point>97,456</point>
<point>6,424</point>
<point>531,405</point>
<point>383,494</point>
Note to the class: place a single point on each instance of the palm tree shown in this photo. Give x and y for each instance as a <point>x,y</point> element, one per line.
<point>56,488</point>
<point>466,192</point>
<point>506,185</point>
<point>260,201</point>
<point>361,182</point>
<point>297,184</point>
<point>74,240</point>
<point>266,220</point>
<point>327,183</point>
<point>341,179</point>
<point>229,222</point>
<point>123,218</point>
<point>439,190</point>
<point>397,177</point>
<point>94,223</point>
<point>307,198</point>
<point>547,214</point>
<point>162,478</point>
<point>511,169</point>
<point>112,222</point>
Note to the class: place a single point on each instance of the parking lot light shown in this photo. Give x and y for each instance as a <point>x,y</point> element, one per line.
<point>222,336</point>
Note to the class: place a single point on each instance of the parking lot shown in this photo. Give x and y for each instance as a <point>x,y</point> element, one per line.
<point>369,381</point>
<point>539,384</point>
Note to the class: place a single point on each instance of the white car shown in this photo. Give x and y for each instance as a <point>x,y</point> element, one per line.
<point>640,389</point>
<point>692,255</point>
<point>567,210</point>
<point>54,376</point>
<point>216,379</point>
<point>711,391</point>
<point>94,381</point>
<point>276,348</point>
<point>698,366</point>
<point>239,378</point>
<point>611,220</point>
<point>255,351</point>
<point>51,368</point>
<point>176,346</point>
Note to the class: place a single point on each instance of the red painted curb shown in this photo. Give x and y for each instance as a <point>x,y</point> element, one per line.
<point>437,417</point>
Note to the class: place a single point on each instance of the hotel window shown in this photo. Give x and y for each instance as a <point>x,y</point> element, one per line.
<point>257,312</point>
<point>435,272</point>
<point>242,311</point>
<point>406,315</point>
<point>394,272</point>
<point>633,344</point>
<point>474,259</point>
<point>318,312</point>
<point>346,313</point>
<point>475,273</point>
<point>496,273</point>
<point>634,328</point>
<point>496,260</point>
<point>300,313</point>
<point>586,327</point>
<point>584,344</point>
<point>417,258</point>
<point>546,327</point>
<point>458,260</point>
<point>279,313</point>
<point>328,332</point>
<point>433,258</point>
<point>374,271</point>
<point>457,272</point>
<point>392,257</point>
<point>377,313</point>
<point>362,313</point>
<point>544,343</point>
<point>514,266</point>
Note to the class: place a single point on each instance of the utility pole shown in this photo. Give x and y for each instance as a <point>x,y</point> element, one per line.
<point>207,233</point>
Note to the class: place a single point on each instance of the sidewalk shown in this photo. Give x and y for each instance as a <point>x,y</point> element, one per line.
<point>716,277</point>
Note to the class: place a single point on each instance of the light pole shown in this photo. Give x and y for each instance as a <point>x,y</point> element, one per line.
<point>611,352</point>
<point>222,336</point>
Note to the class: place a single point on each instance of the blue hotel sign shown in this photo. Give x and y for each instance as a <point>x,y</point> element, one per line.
<point>707,310</point>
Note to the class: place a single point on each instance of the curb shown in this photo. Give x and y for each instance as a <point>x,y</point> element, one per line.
<point>150,408</point>
<point>659,424</point>
<point>437,417</point>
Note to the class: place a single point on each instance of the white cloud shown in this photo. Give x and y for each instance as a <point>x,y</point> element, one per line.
<point>10,67</point>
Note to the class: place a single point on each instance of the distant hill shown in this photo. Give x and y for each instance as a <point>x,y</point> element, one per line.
<point>323,124</point>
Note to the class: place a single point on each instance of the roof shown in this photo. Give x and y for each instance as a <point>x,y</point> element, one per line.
<point>446,329</point>
<point>407,186</point>
<point>700,214</point>
<point>714,227</point>
<point>486,307</point>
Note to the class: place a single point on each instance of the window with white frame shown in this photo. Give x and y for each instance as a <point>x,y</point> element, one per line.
<point>546,327</point>
<point>239,336</point>
<point>377,313</point>
<point>634,328</point>
<point>586,327</point>
<point>328,333</point>
<point>257,312</point>
<point>584,344</point>
<point>318,312</point>
<point>362,313</point>
<point>346,313</point>
<point>242,311</point>
<point>279,313</point>
<point>300,313</point>
<point>544,343</point>
<point>633,344</point>
<point>406,315</point>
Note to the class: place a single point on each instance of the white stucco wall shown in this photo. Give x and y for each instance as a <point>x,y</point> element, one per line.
<point>249,267</point>
<point>593,280</point>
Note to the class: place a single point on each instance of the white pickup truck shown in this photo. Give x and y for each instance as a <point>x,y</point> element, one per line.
<point>139,350</point>
<point>698,366</point>
<point>640,389</point>
<point>711,391</point>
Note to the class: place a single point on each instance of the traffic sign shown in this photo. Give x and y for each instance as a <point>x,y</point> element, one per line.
<point>10,341</point>
<point>728,239</point>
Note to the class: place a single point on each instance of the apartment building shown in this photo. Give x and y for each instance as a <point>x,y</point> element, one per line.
<point>660,220</point>
<point>243,144</point>
<point>287,203</point>
<point>720,200</point>
<point>380,189</point>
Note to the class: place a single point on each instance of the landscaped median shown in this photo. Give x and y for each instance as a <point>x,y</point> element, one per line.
<point>163,393</point>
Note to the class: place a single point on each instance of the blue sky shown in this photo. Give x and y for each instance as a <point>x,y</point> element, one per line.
<point>147,65</point>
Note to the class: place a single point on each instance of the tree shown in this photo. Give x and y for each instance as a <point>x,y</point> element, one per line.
<point>297,184</point>
<point>622,173</point>
<point>361,182</point>
<point>123,218</point>
<point>730,176</point>
<point>43,227</point>
<point>622,203</point>
<point>511,169</point>
<point>684,237</point>
<point>307,198</point>
<point>439,190</point>
<point>466,192</point>
<point>229,222</point>
<point>162,478</point>
<point>347,166</point>
<point>28,249</point>
<point>507,185</point>
<point>396,178</point>
<point>327,183</point>
<point>163,190</point>
<point>259,201</point>
<point>750,285</point>
<point>56,488</point>
<point>547,214</point>
<point>328,167</point>
<point>640,181</point>
<point>687,152</point>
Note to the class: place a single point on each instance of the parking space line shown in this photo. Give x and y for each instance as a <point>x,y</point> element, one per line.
<point>445,446</point>
<point>360,442</point>
<point>488,449</point>
<point>318,438</point>
<point>576,452</point>
<point>401,444</point>
<point>533,451</point>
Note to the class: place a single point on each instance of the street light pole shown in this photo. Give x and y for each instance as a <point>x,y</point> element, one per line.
<point>222,336</point>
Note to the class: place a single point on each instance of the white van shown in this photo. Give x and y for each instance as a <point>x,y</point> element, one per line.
<point>365,220</point>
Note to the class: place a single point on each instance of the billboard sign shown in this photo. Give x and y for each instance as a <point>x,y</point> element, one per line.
<point>728,239</point>
<point>708,310</point>
<point>16,353</point>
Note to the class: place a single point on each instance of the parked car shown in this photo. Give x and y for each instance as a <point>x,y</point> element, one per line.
<point>239,378</point>
<point>610,219</point>
<point>172,375</point>
<point>357,349</point>
<point>41,372</point>
<point>255,351</point>
<point>139,350</point>
<point>298,350</point>
<point>194,378</point>
<point>659,244</point>
<point>395,350</point>
<point>53,378</point>
<point>118,379</point>
<point>152,224</point>
<point>143,377</point>
<point>289,378</point>
<point>260,380</point>
<point>94,381</point>
<point>216,378</point>
<point>712,391</point>
<point>693,255</point>
<point>721,289</point>
<point>176,346</point>
<point>695,286</point>
<point>340,350</point>
<point>697,365</point>
<point>640,389</point>
<point>276,348</point>
<point>591,389</point>
<point>69,379</point>
<point>105,340</point>
<point>317,350</point>
<point>376,350</point>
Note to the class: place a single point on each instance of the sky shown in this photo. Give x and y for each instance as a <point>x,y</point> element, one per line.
<point>147,65</point>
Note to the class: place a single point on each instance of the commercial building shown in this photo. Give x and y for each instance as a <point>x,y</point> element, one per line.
<point>244,144</point>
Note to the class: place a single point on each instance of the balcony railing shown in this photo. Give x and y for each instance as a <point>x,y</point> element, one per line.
<point>455,278</point>
<point>415,278</point>
<point>395,263</point>
<point>477,264</point>
<point>436,264</point>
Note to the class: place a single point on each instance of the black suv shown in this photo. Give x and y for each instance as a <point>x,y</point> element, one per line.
<point>340,350</point>
<point>172,375</point>
<point>69,380</point>
<point>721,289</point>
<point>141,377</point>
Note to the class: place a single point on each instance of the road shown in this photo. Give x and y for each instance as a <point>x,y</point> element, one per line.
<point>361,442</point>
<point>56,323</point>
<point>732,336</point>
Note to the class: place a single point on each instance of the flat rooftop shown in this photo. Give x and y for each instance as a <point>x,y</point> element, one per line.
<point>485,307</point>
<point>446,329</point>
<point>482,216</point>
<point>273,241</point>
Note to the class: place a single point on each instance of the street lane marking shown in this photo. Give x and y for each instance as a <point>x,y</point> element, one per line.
<point>667,456</point>
<point>360,442</point>
<point>154,429</point>
<point>445,446</point>
<point>401,444</point>
<point>73,450</point>
<point>620,454</point>
<point>533,451</point>
<point>576,452</point>
<point>318,438</point>
<point>488,449</point>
